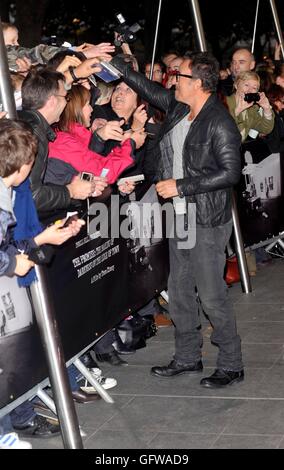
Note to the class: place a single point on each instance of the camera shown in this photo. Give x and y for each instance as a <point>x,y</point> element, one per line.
<point>252,97</point>
<point>126,33</point>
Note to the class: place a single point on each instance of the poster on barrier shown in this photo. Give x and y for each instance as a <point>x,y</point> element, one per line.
<point>94,281</point>
<point>260,194</point>
<point>15,307</point>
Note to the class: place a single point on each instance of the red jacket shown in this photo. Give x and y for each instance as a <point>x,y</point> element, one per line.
<point>73,148</point>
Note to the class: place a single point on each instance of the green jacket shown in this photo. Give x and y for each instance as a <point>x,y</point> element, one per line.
<point>251,118</point>
<point>38,54</point>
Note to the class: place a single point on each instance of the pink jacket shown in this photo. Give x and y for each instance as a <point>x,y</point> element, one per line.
<point>72,148</point>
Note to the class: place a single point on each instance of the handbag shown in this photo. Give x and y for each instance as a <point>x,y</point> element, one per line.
<point>135,330</point>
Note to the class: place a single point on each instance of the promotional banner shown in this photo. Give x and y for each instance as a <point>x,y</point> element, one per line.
<point>113,267</point>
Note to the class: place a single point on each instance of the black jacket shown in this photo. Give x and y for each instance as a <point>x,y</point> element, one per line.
<point>211,152</point>
<point>47,197</point>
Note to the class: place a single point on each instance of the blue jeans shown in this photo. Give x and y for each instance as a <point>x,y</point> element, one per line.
<point>5,425</point>
<point>23,414</point>
<point>201,268</point>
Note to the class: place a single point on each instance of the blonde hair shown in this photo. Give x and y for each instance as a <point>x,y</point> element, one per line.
<point>106,90</point>
<point>250,75</point>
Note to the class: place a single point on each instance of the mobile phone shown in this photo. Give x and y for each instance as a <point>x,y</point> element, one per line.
<point>76,216</point>
<point>86,176</point>
<point>70,219</point>
<point>108,72</point>
<point>133,178</point>
<point>104,172</point>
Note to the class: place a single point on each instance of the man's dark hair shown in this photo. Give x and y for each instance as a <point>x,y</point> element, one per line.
<point>53,63</point>
<point>205,67</point>
<point>18,146</point>
<point>38,86</point>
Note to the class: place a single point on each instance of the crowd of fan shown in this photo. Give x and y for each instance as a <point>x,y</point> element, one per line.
<point>77,123</point>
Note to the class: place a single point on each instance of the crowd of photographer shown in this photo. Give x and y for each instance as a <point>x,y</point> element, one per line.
<point>80,123</point>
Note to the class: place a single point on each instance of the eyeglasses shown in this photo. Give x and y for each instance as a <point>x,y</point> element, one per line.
<point>67,98</point>
<point>177,75</point>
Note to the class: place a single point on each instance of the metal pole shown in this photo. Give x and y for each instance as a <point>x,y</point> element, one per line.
<point>245,279</point>
<point>155,40</point>
<point>277,25</point>
<point>52,345</point>
<point>6,91</point>
<point>87,374</point>
<point>254,28</point>
<point>241,257</point>
<point>198,25</point>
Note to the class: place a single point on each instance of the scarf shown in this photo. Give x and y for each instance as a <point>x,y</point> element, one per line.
<point>28,225</point>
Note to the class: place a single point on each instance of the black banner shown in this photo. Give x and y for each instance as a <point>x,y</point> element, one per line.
<point>94,283</point>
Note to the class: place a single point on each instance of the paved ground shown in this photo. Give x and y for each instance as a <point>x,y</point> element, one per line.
<point>152,413</point>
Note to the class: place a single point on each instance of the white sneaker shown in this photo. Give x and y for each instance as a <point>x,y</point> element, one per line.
<point>105,382</point>
<point>12,441</point>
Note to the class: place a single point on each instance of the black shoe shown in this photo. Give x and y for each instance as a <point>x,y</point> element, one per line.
<point>112,358</point>
<point>175,368</point>
<point>222,378</point>
<point>82,397</point>
<point>38,427</point>
<point>88,361</point>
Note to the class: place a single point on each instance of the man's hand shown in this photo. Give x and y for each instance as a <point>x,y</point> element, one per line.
<point>23,265</point>
<point>167,188</point>
<point>81,189</point>
<point>90,66</point>
<point>68,61</point>
<point>100,185</point>
<point>127,187</point>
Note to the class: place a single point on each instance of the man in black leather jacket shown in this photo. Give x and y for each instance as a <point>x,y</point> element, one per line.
<point>199,163</point>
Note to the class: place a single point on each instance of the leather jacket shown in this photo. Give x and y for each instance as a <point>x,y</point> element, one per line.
<point>211,151</point>
<point>47,197</point>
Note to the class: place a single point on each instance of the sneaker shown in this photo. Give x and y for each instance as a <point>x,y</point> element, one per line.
<point>12,441</point>
<point>105,382</point>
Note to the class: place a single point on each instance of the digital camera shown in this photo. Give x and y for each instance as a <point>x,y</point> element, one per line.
<point>126,33</point>
<point>252,97</point>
